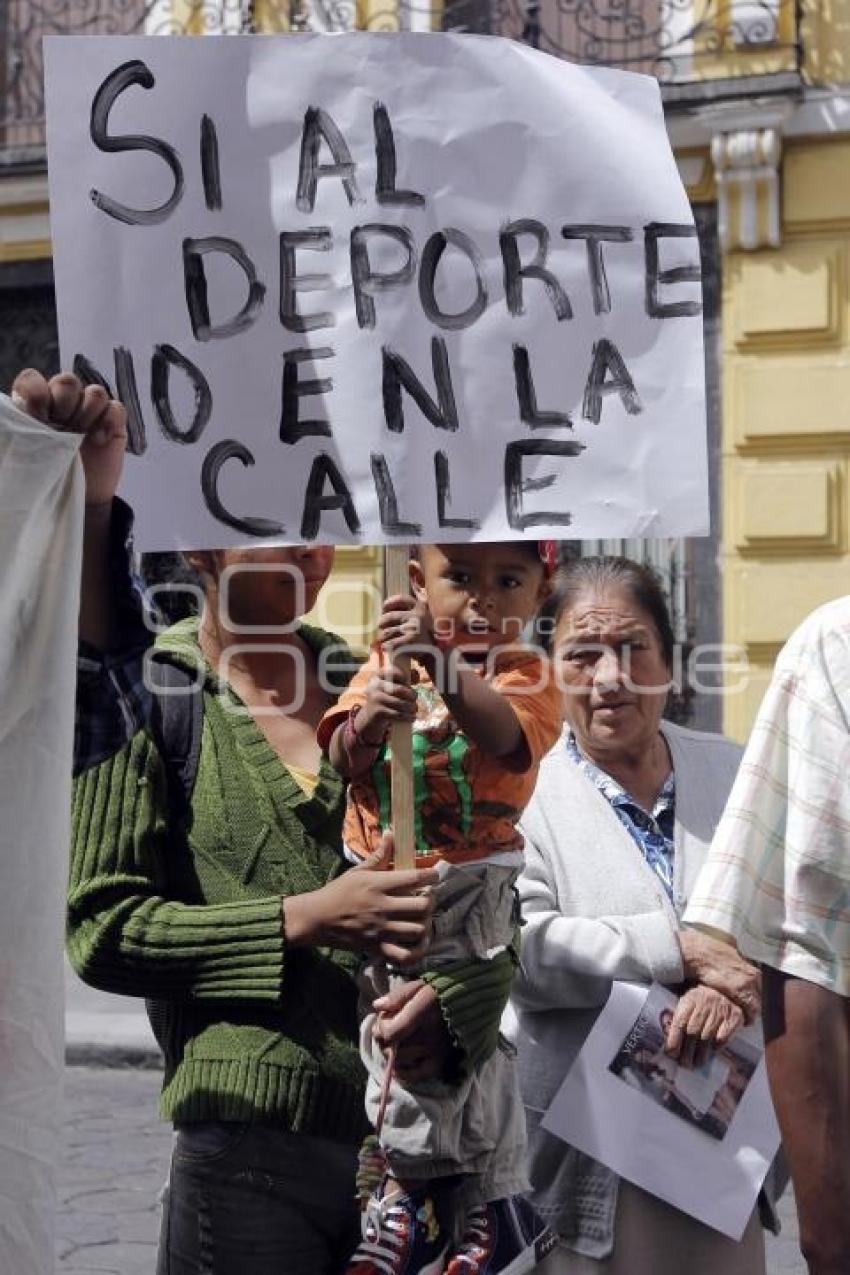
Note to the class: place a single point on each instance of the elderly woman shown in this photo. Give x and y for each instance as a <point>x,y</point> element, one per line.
<point>616,832</point>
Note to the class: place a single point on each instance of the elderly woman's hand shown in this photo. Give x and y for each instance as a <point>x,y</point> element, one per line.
<point>703,1019</point>
<point>718,965</point>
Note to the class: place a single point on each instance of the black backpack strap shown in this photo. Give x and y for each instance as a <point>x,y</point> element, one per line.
<point>177,724</point>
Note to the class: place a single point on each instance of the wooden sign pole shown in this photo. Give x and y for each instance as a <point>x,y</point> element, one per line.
<point>397,580</point>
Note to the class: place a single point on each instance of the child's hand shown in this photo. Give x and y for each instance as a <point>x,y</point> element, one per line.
<point>410,1020</point>
<point>389,698</point>
<point>405,622</point>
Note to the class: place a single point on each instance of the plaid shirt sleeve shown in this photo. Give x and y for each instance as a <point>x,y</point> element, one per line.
<point>777,879</point>
<point>113,701</point>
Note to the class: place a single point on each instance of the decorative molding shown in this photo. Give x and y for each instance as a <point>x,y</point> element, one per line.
<point>746,169</point>
<point>789,405</point>
<point>764,653</point>
<point>816,187</point>
<point>787,508</point>
<point>25,250</point>
<point>790,302</point>
<point>743,113</point>
<point>766,597</point>
<point>697,174</point>
<point>24,219</point>
<point>32,208</point>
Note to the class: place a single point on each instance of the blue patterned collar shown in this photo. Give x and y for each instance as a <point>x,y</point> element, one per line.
<point>653,832</point>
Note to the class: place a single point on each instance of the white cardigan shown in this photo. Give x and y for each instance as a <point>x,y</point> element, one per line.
<point>594,911</point>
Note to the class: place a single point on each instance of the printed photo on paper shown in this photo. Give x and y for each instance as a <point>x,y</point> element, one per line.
<point>707,1096</point>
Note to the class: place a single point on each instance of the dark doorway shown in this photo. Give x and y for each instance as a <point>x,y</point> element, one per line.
<point>28,336</point>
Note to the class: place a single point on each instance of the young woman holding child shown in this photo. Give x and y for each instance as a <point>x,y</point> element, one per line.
<point>236,917</point>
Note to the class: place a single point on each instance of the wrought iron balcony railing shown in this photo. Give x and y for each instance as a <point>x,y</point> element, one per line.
<point>681,42</point>
<point>678,41</point>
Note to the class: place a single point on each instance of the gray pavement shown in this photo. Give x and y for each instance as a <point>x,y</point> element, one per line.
<point>114,1164</point>
<point>99,1025</point>
<point>116,1149</point>
<point>783,1250</point>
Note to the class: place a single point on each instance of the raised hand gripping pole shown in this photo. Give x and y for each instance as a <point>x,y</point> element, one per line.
<point>397,580</point>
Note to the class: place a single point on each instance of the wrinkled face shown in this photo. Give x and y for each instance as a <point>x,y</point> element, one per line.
<point>479,595</point>
<point>265,586</point>
<point>613,671</point>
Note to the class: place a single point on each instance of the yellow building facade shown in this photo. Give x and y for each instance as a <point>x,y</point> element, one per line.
<point>780,168</point>
<point>757,98</point>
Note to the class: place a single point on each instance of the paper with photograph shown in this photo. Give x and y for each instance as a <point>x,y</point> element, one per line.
<point>707,1096</point>
<point>700,1138</point>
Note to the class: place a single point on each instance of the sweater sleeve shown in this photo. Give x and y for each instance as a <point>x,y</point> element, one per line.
<point>122,934</point>
<point>473,995</point>
<point>569,962</point>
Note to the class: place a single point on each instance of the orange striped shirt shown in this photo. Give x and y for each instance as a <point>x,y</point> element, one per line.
<point>467,801</point>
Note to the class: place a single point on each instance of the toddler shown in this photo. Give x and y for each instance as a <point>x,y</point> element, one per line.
<point>484,710</point>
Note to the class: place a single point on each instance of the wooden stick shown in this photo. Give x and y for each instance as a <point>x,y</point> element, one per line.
<point>397,580</point>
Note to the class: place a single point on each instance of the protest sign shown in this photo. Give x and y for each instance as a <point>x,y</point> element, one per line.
<point>701,1139</point>
<point>377,288</point>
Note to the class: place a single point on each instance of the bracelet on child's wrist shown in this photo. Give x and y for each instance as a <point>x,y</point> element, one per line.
<point>352,738</point>
<point>368,743</point>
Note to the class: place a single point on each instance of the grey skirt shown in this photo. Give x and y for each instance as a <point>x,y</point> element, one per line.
<point>653,1238</point>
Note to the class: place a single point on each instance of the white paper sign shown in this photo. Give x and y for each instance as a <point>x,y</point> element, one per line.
<point>366,287</point>
<point>701,1140</point>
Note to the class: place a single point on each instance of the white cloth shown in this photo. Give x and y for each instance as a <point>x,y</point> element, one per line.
<point>41,520</point>
<point>595,911</point>
<point>777,879</point>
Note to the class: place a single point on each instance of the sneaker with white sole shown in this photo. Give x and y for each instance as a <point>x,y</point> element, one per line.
<point>506,1237</point>
<point>402,1235</point>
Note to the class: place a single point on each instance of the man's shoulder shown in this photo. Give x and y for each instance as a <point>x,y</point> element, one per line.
<point>830,621</point>
<point>817,655</point>
<point>835,613</point>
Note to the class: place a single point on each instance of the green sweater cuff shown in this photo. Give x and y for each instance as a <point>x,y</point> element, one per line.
<point>473,995</point>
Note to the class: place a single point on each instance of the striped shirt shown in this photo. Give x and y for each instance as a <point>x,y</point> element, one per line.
<point>777,879</point>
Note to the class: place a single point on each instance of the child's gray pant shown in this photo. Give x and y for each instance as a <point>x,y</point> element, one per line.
<point>475,1127</point>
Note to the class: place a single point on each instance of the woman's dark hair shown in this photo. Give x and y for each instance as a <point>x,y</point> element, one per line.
<point>171,569</point>
<point>594,575</point>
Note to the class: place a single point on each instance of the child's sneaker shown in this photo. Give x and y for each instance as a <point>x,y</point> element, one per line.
<point>506,1237</point>
<point>401,1236</point>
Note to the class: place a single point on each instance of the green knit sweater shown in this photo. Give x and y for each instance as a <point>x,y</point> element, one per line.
<point>250,1029</point>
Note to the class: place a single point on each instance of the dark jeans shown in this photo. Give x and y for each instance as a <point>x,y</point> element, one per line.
<point>254,1200</point>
